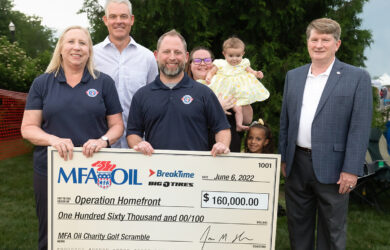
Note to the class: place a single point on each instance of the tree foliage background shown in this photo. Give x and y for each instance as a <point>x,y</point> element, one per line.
<point>24,54</point>
<point>273,31</point>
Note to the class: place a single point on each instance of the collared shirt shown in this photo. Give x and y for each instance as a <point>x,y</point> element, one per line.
<point>177,118</point>
<point>131,69</point>
<point>78,113</point>
<point>311,97</point>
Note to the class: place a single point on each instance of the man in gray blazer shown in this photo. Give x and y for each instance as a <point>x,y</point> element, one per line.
<point>324,131</point>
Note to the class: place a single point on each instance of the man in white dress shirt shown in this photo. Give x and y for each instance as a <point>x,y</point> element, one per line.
<point>324,130</point>
<point>130,64</point>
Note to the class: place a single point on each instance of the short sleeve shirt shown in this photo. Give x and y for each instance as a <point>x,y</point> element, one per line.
<point>225,68</point>
<point>177,118</point>
<point>78,113</point>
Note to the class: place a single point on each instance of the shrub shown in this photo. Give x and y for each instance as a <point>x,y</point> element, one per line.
<point>17,70</point>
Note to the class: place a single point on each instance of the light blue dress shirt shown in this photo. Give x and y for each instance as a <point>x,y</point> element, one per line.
<point>133,68</point>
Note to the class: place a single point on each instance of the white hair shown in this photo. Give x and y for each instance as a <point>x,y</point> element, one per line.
<point>127,2</point>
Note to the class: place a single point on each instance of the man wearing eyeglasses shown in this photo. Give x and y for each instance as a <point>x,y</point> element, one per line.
<point>130,64</point>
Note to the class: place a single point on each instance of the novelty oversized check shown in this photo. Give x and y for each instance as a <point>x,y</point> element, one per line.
<point>121,199</point>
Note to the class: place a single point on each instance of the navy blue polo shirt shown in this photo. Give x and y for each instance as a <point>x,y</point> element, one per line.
<point>177,118</point>
<point>77,113</point>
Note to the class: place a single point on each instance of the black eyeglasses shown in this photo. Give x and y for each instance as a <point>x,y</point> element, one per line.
<point>198,61</point>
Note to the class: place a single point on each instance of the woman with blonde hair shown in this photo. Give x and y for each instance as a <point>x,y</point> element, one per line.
<point>70,105</point>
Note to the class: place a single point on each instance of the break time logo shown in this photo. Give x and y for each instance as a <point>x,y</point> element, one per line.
<point>167,175</point>
<point>102,173</point>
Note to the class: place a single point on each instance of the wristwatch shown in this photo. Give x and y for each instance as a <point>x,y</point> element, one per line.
<point>105,138</point>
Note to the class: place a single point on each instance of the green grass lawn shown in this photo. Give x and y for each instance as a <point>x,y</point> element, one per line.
<point>18,222</point>
<point>367,228</point>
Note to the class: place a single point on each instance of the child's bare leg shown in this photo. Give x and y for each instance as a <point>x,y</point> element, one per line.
<point>239,119</point>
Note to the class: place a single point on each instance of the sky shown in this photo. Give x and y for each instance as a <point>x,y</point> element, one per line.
<point>376,18</point>
<point>59,14</point>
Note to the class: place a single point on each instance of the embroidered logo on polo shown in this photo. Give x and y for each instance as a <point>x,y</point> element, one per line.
<point>92,92</point>
<point>187,99</point>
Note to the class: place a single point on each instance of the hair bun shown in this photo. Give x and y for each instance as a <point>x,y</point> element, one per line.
<point>260,121</point>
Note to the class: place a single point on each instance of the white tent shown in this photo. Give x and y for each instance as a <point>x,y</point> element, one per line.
<point>384,80</point>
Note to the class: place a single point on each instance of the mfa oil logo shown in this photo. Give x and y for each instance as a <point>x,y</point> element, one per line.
<point>102,173</point>
<point>168,175</point>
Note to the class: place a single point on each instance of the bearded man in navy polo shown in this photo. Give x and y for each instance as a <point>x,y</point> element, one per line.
<point>175,112</point>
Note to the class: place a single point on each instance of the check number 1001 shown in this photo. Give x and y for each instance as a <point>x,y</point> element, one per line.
<point>231,200</point>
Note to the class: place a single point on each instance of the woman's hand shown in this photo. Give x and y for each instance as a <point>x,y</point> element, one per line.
<point>227,103</point>
<point>64,146</point>
<point>32,131</point>
<point>92,146</point>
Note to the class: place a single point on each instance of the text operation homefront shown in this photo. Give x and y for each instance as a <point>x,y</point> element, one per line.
<point>120,200</point>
